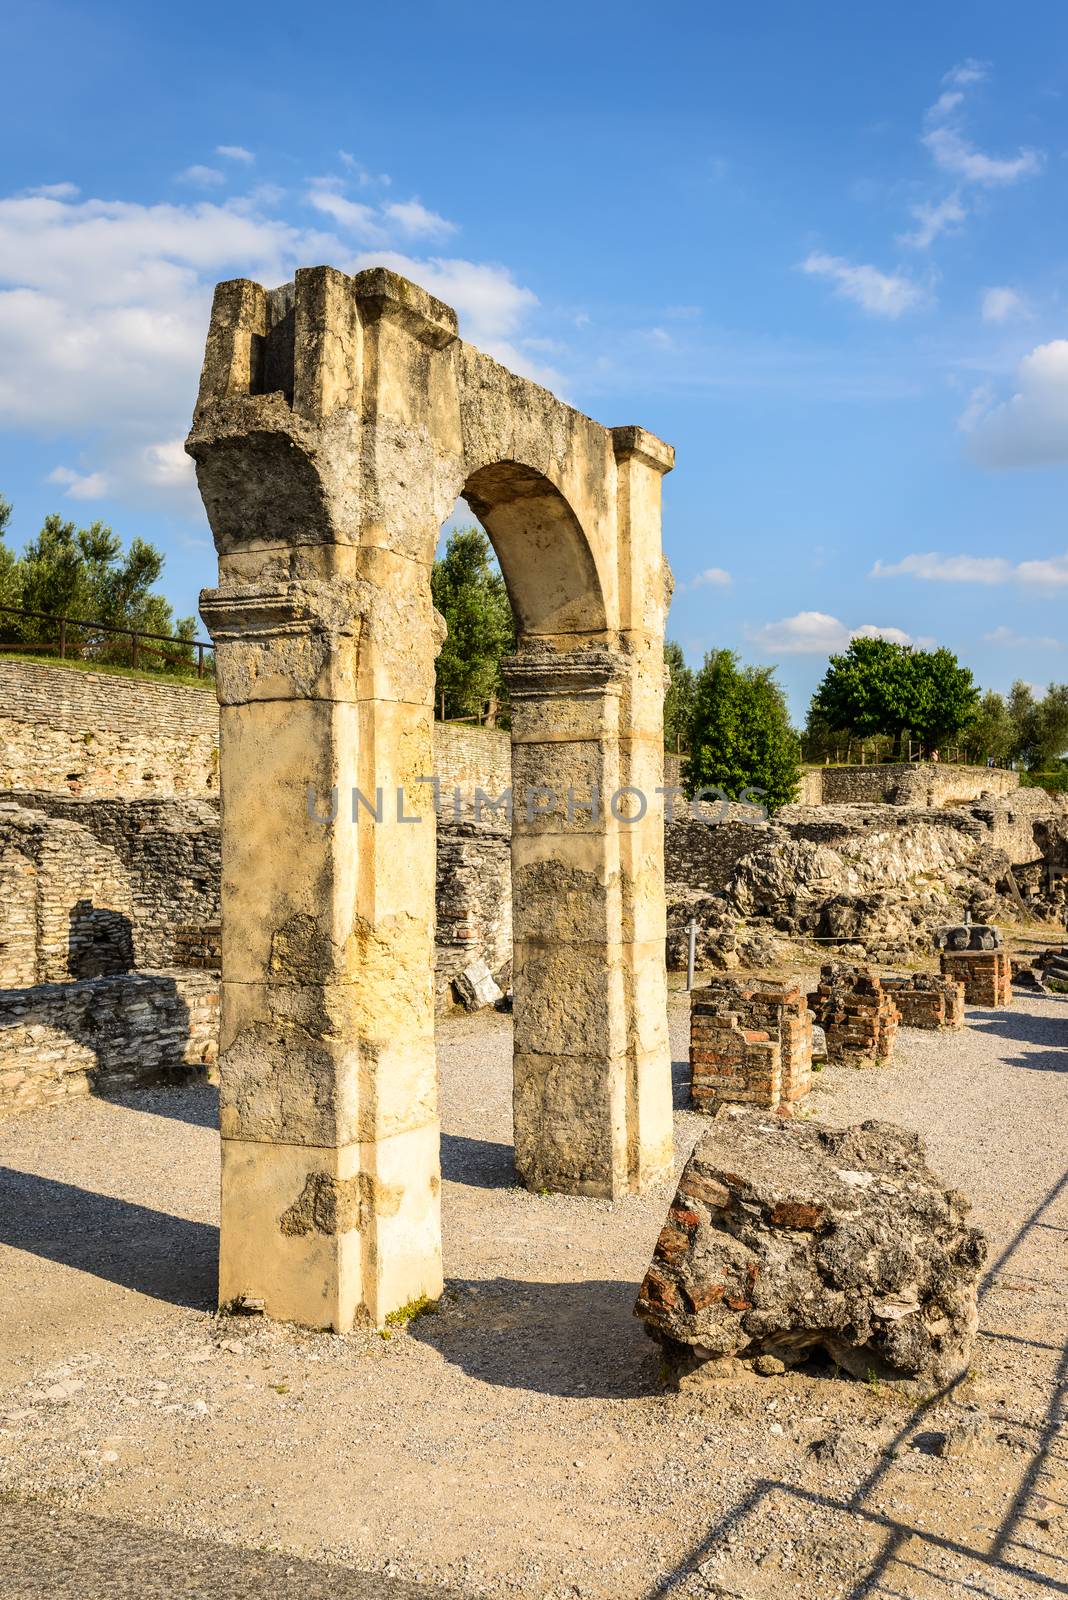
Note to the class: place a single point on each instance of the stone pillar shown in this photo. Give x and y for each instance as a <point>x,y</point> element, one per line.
<point>325,639</point>
<point>584,1121</point>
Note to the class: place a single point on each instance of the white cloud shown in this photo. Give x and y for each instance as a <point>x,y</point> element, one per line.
<point>934,220</point>
<point>415,221</point>
<point>80,485</point>
<point>104,307</point>
<point>967,72</point>
<point>202,177</point>
<point>1048,572</point>
<point>355,217</point>
<point>710,578</point>
<point>1030,429</point>
<point>1020,641</point>
<point>55,191</point>
<point>1001,304</point>
<point>235,152</point>
<point>815,633</point>
<point>935,568</point>
<point>884,294</point>
<point>953,153</point>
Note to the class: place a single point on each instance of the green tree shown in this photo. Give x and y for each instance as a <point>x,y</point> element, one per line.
<point>879,687</point>
<point>945,697</point>
<point>1040,726</point>
<point>740,733</point>
<point>992,732</point>
<point>678,698</point>
<point>85,575</point>
<point>868,689</point>
<point>470,594</point>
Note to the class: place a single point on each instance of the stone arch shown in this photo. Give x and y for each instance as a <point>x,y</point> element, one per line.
<point>545,557</point>
<point>338,419</point>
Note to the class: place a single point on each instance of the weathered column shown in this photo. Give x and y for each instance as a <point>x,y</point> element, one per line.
<point>586,1118</point>
<point>325,641</point>
<point>644,594</point>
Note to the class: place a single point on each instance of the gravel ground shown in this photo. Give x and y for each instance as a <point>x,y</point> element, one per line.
<point>519,1442</point>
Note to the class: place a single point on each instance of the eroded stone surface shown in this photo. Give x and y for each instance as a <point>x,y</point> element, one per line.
<point>786,1238</point>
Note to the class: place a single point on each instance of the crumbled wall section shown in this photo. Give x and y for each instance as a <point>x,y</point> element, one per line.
<point>96,733</point>
<point>750,1042</point>
<point>857,1014</point>
<point>69,915</point>
<point>165,855</point>
<point>914,783</point>
<point>474,903</point>
<point>985,974</point>
<point>927,1000</point>
<point>104,1034</point>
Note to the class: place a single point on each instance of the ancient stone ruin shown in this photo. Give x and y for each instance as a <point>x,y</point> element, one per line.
<point>857,1014</point>
<point>985,974</point>
<point>788,1238</point>
<point>750,1043</point>
<point>339,419</point>
<point>927,1000</point>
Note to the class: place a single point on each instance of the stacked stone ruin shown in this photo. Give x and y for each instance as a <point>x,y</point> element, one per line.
<point>857,1014</point>
<point>750,1043</point>
<point>985,974</point>
<point>928,1000</point>
<point>972,954</point>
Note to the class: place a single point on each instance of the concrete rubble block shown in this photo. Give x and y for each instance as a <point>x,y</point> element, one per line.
<point>857,1014</point>
<point>985,974</point>
<point>475,987</point>
<point>788,1238</point>
<point>927,1000</point>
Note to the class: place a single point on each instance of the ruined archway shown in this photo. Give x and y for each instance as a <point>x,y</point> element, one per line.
<point>338,420</point>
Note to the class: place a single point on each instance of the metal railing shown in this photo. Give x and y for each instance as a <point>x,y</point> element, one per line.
<point>66,646</point>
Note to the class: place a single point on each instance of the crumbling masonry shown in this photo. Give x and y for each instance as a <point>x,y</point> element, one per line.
<point>750,1043</point>
<point>339,419</point>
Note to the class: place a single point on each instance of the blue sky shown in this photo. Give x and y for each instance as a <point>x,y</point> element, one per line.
<point>822,250</point>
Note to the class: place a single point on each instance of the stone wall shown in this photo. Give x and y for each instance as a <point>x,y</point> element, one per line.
<point>104,1034</point>
<point>97,733</point>
<point>914,783</point>
<point>703,854</point>
<point>474,903</point>
<point>155,860</point>
<point>68,902</point>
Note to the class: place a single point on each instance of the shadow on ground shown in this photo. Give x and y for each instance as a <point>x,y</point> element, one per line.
<point>479,1163</point>
<point>572,1340</point>
<point>50,1554</point>
<point>166,1257</point>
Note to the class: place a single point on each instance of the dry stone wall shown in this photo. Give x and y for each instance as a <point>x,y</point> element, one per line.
<point>97,733</point>
<point>104,1034</point>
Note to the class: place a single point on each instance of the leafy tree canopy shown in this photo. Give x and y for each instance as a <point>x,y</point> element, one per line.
<point>470,594</point>
<point>84,574</point>
<point>740,733</point>
<point>878,686</point>
<point>678,698</point>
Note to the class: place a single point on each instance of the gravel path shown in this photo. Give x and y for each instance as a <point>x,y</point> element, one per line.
<point>519,1442</point>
